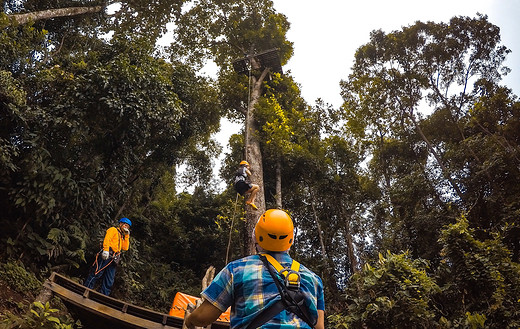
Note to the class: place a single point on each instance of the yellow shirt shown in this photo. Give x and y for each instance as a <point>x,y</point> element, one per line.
<point>115,240</point>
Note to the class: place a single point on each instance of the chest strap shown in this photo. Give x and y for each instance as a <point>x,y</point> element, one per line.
<point>291,275</point>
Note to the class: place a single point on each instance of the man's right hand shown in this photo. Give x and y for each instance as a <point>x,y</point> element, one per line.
<point>105,254</point>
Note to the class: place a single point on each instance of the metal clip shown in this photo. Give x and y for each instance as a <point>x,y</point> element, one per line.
<point>291,278</point>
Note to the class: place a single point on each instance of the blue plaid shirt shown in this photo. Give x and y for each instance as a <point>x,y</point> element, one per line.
<point>247,286</point>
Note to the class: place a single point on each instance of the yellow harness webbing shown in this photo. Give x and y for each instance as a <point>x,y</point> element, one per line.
<point>292,275</point>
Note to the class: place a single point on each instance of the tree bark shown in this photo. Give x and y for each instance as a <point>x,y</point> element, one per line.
<point>320,235</point>
<point>254,157</point>
<point>53,13</point>
<point>278,196</point>
<point>208,277</point>
<point>353,264</point>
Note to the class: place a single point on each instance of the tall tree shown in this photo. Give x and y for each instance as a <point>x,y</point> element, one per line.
<point>407,102</point>
<point>227,30</point>
<point>397,76</point>
<point>84,129</point>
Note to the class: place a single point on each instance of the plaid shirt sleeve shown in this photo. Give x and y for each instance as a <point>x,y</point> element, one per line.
<point>220,291</point>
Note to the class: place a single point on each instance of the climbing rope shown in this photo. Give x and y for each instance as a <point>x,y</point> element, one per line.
<point>231,229</point>
<point>236,200</point>
<point>249,84</point>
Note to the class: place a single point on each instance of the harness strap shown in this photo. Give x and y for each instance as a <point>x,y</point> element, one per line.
<point>292,275</point>
<point>267,314</point>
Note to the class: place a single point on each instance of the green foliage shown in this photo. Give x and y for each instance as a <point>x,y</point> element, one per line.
<point>436,131</point>
<point>395,292</point>
<point>12,100</point>
<point>40,316</point>
<point>92,128</point>
<point>19,278</point>
<point>174,240</point>
<point>284,116</point>
<point>22,43</point>
<point>476,285</point>
<point>95,122</point>
<point>228,29</point>
<point>481,275</point>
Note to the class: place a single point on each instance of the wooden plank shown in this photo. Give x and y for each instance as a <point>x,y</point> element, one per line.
<point>110,308</point>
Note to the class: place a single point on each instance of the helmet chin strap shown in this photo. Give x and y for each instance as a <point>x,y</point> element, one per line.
<point>259,249</point>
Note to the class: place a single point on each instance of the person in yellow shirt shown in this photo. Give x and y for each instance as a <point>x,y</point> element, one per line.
<point>117,239</point>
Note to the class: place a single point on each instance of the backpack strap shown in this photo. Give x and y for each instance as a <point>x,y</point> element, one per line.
<point>292,299</point>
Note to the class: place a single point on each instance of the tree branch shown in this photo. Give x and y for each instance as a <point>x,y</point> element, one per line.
<point>53,13</point>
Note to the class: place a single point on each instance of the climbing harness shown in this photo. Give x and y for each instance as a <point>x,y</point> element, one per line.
<point>241,175</point>
<point>292,298</point>
<point>114,256</point>
<point>96,264</point>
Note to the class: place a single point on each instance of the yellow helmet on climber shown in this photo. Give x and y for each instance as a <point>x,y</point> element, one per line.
<point>244,162</point>
<point>274,230</point>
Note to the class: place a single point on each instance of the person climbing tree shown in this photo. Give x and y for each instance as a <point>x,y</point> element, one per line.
<point>267,290</point>
<point>104,266</point>
<point>243,186</point>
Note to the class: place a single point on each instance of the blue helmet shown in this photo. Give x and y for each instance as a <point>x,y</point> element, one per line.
<point>126,221</point>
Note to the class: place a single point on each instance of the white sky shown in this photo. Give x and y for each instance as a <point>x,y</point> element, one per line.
<point>327,33</point>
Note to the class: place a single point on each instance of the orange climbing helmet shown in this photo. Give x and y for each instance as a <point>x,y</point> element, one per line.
<point>244,162</point>
<point>274,230</point>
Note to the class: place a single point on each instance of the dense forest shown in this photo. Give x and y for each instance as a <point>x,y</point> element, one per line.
<point>406,198</point>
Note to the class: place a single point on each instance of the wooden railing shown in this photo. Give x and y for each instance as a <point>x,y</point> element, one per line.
<point>125,314</point>
<point>113,310</point>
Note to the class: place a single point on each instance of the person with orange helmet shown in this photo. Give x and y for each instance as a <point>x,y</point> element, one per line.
<point>243,186</point>
<point>267,290</point>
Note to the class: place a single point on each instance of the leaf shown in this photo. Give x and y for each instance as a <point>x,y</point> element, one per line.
<point>53,319</point>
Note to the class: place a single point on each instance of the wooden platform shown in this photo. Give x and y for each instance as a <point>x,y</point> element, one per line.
<point>101,309</point>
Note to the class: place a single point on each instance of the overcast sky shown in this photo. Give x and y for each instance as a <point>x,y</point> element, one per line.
<point>327,33</point>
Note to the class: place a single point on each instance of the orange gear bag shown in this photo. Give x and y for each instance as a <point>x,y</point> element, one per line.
<point>180,304</point>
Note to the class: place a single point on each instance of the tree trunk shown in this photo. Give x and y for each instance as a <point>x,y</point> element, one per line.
<point>53,13</point>
<point>208,277</point>
<point>437,157</point>
<point>318,225</point>
<point>328,267</point>
<point>320,235</point>
<point>278,196</point>
<point>354,266</point>
<point>254,157</point>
